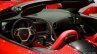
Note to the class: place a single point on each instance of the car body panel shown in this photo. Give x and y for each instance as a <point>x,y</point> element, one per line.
<point>65,50</point>
<point>92,39</point>
<point>10,48</point>
<point>7,4</point>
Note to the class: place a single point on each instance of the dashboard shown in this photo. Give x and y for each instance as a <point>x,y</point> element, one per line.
<point>41,28</point>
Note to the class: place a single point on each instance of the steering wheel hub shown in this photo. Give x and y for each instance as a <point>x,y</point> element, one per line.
<point>24,33</point>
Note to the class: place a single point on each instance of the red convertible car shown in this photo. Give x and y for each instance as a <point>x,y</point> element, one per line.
<point>47,27</point>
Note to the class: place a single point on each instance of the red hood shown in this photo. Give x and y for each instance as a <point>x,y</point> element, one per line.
<point>7,4</point>
<point>4,5</point>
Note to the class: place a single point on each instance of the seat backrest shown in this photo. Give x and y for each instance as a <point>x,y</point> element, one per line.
<point>68,39</point>
<point>65,38</point>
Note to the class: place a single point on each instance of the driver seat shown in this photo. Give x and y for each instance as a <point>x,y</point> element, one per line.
<point>68,36</point>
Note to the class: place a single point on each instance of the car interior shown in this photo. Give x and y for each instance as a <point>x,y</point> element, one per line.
<point>33,26</point>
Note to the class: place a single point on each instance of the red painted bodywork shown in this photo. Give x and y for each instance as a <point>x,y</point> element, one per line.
<point>7,47</point>
<point>53,6</point>
<point>92,39</point>
<point>10,48</point>
<point>65,50</point>
<point>62,37</point>
<point>10,3</point>
<point>90,10</point>
<point>7,4</point>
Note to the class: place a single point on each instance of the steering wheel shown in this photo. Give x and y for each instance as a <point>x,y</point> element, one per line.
<point>23,31</point>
